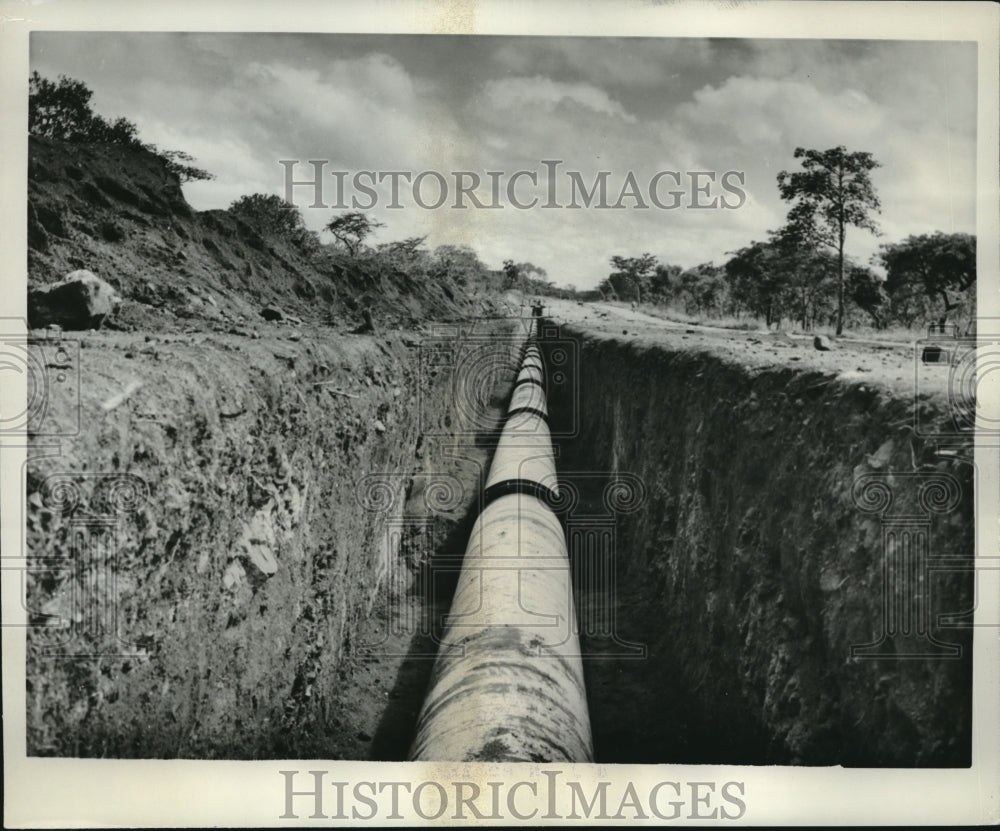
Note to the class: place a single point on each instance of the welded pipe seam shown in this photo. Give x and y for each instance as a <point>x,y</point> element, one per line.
<point>530,375</point>
<point>527,395</point>
<point>529,378</point>
<point>524,451</point>
<point>533,410</point>
<point>542,492</point>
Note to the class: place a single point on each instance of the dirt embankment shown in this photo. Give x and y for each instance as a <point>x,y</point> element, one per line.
<point>226,528</point>
<point>119,213</point>
<point>755,563</point>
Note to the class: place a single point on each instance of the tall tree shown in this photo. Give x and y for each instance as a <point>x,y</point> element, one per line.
<point>940,266</point>
<point>832,192</point>
<point>635,270</point>
<point>806,267</point>
<point>756,283</point>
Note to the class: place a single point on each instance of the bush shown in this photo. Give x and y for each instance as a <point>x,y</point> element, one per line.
<point>271,215</point>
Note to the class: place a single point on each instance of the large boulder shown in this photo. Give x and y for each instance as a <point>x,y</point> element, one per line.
<point>81,300</point>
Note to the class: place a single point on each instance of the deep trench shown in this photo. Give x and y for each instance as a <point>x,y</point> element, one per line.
<point>721,571</point>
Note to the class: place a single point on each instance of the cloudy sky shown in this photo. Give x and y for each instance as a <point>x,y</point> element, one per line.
<point>241,102</point>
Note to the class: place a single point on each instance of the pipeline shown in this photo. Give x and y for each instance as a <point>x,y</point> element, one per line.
<point>508,682</point>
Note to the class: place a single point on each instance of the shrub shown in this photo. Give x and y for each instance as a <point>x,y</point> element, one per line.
<point>273,216</point>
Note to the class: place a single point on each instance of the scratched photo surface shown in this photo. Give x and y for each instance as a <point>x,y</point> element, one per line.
<point>481,398</point>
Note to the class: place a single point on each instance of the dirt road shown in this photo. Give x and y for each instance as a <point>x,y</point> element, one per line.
<point>891,364</point>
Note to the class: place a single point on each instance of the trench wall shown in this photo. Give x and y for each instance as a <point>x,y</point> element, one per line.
<point>246,555</point>
<point>751,570</point>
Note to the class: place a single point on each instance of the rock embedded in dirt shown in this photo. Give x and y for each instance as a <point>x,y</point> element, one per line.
<point>81,300</point>
<point>272,313</point>
<point>822,343</point>
<point>234,575</point>
<point>367,326</point>
<point>257,543</point>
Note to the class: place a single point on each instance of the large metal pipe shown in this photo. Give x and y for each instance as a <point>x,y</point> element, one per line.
<point>508,679</point>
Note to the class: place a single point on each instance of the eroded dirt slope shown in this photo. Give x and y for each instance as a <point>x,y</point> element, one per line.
<point>120,214</point>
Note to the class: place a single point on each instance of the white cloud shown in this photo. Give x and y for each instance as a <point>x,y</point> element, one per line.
<point>767,112</point>
<point>626,62</point>
<point>524,94</point>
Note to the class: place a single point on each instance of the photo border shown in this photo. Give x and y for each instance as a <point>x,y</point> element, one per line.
<point>41,792</point>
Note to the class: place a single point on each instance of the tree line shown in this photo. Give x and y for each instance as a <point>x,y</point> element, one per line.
<point>352,233</point>
<point>800,272</point>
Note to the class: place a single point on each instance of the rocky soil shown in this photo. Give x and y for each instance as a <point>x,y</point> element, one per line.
<point>118,213</point>
<point>263,511</point>
<point>236,483</point>
<point>752,566</point>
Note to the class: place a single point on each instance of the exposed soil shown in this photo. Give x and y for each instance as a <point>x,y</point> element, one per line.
<point>750,569</point>
<point>270,492</point>
<point>283,512</point>
<point>886,364</point>
<point>120,214</point>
